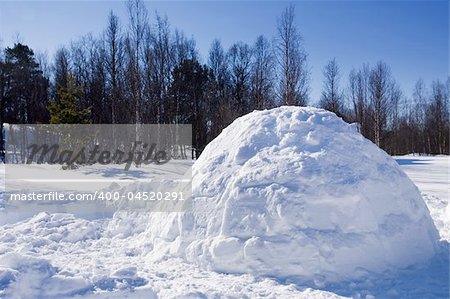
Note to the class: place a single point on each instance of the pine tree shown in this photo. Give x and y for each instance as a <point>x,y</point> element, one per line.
<point>65,110</point>
<point>23,86</point>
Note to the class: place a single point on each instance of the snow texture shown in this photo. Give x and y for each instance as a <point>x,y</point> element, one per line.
<point>297,192</point>
<point>289,203</point>
<point>431,175</point>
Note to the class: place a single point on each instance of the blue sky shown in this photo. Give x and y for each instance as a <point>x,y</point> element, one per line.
<point>411,36</point>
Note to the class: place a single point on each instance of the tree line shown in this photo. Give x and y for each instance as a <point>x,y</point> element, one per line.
<point>148,72</point>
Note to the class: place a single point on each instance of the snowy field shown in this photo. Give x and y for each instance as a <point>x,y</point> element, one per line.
<point>64,256</point>
<point>431,176</point>
<point>279,210</point>
<point>85,180</point>
<point>61,256</point>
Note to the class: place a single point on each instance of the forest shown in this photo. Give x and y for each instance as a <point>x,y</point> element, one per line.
<point>150,73</point>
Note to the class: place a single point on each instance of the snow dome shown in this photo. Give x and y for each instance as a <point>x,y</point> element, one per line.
<point>297,192</point>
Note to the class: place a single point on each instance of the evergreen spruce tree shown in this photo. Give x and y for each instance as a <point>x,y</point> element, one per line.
<point>65,110</point>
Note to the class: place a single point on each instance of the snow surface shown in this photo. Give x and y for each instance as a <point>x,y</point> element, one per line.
<point>87,179</point>
<point>297,192</point>
<point>141,255</point>
<point>431,176</point>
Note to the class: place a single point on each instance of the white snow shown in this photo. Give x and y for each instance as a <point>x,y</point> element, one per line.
<point>431,176</point>
<point>101,265</point>
<point>297,192</point>
<point>93,178</point>
<point>280,195</point>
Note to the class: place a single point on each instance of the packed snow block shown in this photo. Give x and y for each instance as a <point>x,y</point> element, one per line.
<point>297,192</point>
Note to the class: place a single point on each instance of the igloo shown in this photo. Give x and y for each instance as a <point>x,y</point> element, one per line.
<point>297,192</point>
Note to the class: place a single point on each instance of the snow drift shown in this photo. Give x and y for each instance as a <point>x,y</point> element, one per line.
<point>297,192</point>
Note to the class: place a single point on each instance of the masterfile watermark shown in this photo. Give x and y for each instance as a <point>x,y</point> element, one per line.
<point>139,153</point>
<point>70,167</point>
<point>98,195</point>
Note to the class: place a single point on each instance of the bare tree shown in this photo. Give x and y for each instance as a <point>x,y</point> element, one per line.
<point>332,95</point>
<point>291,57</point>
<point>164,63</point>
<point>262,92</point>
<point>87,64</point>
<point>380,89</point>
<point>220,110</point>
<point>437,120</point>
<point>420,101</point>
<point>61,68</point>
<point>217,60</point>
<point>358,95</point>
<point>418,116</point>
<point>138,27</point>
<point>2,103</point>
<point>394,120</point>
<point>114,63</point>
<point>43,60</point>
<point>240,57</point>
<point>183,48</point>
